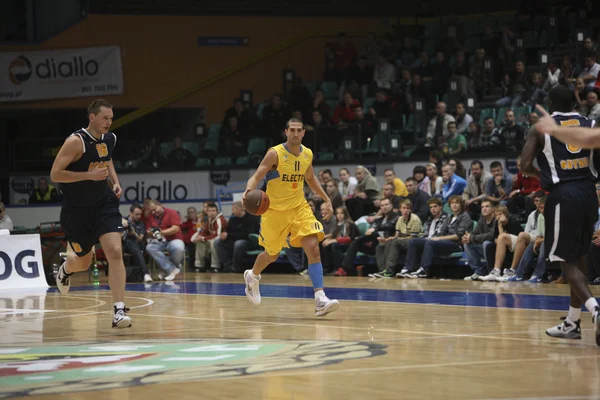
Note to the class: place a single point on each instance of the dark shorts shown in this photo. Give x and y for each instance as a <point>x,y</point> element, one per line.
<point>570,213</point>
<point>85,225</point>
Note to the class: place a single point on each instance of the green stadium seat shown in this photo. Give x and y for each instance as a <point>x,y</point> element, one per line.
<point>212,145</point>
<point>214,131</point>
<point>223,161</point>
<point>257,146</point>
<point>166,148</point>
<point>203,162</point>
<point>330,89</point>
<point>362,228</point>
<point>192,147</point>
<point>243,160</point>
<point>324,156</point>
<point>369,101</point>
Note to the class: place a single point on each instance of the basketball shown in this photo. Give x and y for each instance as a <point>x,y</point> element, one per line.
<point>257,202</point>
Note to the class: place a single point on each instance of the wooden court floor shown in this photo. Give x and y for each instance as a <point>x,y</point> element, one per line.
<point>199,337</point>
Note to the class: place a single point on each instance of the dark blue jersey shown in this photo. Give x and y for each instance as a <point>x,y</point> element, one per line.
<point>560,162</point>
<point>96,153</point>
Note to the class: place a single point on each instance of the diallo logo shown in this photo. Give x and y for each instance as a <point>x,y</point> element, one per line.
<point>19,70</point>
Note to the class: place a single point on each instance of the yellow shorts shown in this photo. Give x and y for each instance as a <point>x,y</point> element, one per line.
<point>276,225</point>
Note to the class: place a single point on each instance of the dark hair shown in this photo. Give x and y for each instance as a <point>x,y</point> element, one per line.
<point>436,154</point>
<point>94,108</point>
<point>486,118</point>
<point>212,205</point>
<point>43,179</point>
<point>451,123</point>
<point>389,169</point>
<point>345,169</point>
<point>539,194</point>
<point>327,171</point>
<point>492,203</point>
<point>419,169</point>
<point>292,120</point>
<point>134,206</point>
<point>435,200</point>
<point>410,179</point>
<point>478,162</point>
<point>495,164</point>
<point>561,99</point>
<point>543,199</point>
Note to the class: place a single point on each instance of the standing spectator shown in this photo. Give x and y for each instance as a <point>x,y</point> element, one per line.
<point>233,243</point>
<point>5,221</point>
<point>164,233</point>
<point>133,239</point>
<point>205,239</point>
<point>44,193</point>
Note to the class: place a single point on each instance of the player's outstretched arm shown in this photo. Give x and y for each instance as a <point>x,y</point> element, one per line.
<point>268,163</point>
<point>533,144</point>
<point>584,137</point>
<point>72,151</point>
<point>313,183</point>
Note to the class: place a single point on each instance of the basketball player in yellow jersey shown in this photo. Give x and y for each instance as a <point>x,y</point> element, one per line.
<point>287,166</point>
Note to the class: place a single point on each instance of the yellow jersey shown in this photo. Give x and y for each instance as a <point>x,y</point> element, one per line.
<point>285,185</point>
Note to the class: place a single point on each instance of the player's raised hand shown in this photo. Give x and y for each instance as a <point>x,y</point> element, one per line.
<point>98,174</point>
<point>546,123</point>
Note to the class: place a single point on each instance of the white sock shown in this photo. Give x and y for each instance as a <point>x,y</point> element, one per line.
<point>498,269</point>
<point>319,294</point>
<point>120,305</point>
<point>591,305</point>
<point>255,276</point>
<point>574,314</point>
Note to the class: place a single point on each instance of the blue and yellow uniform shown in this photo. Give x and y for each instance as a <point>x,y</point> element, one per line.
<point>288,213</point>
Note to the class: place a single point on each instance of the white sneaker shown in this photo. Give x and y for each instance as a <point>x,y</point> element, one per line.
<point>172,275</point>
<point>567,330</point>
<point>120,318</point>
<point>63,280</point>
<point>324,306</point>
<point>596,320</point>
<point>252,289</point>
<point>147,278</point>
<point>494,276</point>
<point>402,273</point>
<point>161,276</point>
<point>473,277</point>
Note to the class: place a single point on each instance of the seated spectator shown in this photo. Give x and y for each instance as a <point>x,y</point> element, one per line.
<point>553,78</point>
<point>590,70</point>
<point>389,193</point>
<point>515,86</point>
<point>382,228</point>
<point>535,91</point>
<point>483,235</point>
<point>384,74</point>
<point>463,120</point>
<point>44,193</point>
<point>233,242</point>
<point>151,157</point>
<point>133,239</point>
<point>361,76</point>
<point>421,251</point>
<point>188,228</point>
<point>330,224</point>
<point>454,143</point>
<point>419,173</point>
<point>508,229</point>
<point>235,141</point>
<point>164,233</point>
<point>344,233</point>
<point>580,94</point>
<point>390,177</point>
<point>418,90</point>
<point>523,189</point>
<point>367,191</point>
<point>458,167</point>
<point>454,185</point>
<point>383,107</point>
<point>529,244</point>
<point>5,221</point>
<point>511,135</point>
<point>334,195</point>
<point>474,136</point>
<point>344,111</point>
<point>321,105</point>
<point>363,125</point>
<point>533,118</point>
<point>408,225</point>
<point>499,187</point>
<point>347,184</point>
<point>179,157</point>
<point>243,115</point>
<point>432,228</point>
<point>205,240</point>
<point>418,199</point>
<point>474,193</point>
<point>437,129</point>
<point>433,184</point>
<point>591,110</point>
<point>317,131</point>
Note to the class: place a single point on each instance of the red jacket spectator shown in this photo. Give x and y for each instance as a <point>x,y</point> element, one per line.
<point>526,184</point>
<point>168,219</point>
<point>344,111</point>
<point>189,227</point>
<point>214,227</point>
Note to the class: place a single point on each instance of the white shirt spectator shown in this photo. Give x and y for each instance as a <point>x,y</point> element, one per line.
<point>552,80</point>
<point>384,75</point>
<point>462,128</point>
<point>594,70</point>
<point>347,190</point>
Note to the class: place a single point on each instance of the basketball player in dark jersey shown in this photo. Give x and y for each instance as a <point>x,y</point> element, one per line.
<point>567,171</point>
<point>90,210</point>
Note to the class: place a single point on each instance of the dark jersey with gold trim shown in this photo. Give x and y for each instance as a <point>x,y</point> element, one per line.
<point>560,162</point>
<point>96,153</point>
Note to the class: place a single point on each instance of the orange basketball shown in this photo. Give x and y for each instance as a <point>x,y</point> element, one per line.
<point>257,202</point>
